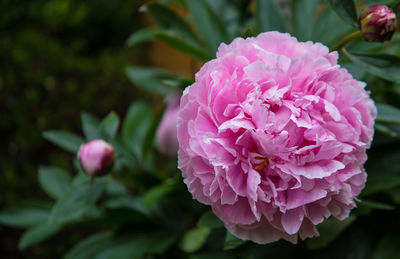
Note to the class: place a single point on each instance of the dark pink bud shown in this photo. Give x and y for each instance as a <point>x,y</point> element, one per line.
<point>377,23</point>
<point>167,139</point>
<point>96,157</point>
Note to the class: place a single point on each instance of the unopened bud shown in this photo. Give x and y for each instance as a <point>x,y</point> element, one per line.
<point>167,139</point>
<point>96,157</point>
<point>377,23</point>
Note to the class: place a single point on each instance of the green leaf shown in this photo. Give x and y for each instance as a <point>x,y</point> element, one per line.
<point>54,181</point>
<point>382,65</point>
<point>25,214</point>
<point>137,247</point>
<point>156,193</point>
<point>232,242</point>
<point>37,234</point>
<point>135,127</point>
<point>346,10</point>
<point>304,18</point>
<point>109,126</point>
<point>208,219</point>
<point>194,239</point>
<point>269,17</point>
<point>90,247</point>
<point>169,20</point>
<point>208,24</point>
<point>78,206</point>
<point>152,80</point>
<point>90,126</point>
<point>329,230</point>
<point>184,47</point>
<point>388,248</point>
<point>388,113</point>
<point>374,205</point>
<point>64,139</point>
<point>142,35</point>
<point>385,129</point>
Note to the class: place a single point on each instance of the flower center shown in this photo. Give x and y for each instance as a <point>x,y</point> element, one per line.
<point>263,164</point>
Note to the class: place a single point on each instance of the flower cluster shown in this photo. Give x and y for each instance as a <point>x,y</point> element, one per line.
<point>273,135</point>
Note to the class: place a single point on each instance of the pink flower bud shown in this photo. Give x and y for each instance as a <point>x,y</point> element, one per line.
<point>377,23</point>
<point>166,133</point>
<point>96,157</point>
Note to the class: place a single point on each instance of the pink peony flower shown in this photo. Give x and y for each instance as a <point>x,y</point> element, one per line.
<point>166,133</point>
<point>273,135</point>
<point>96,157</point>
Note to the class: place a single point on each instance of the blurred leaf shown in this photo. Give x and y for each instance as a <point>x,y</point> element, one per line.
<point>77,206</point>
<point>37,234</point>
<point>269,17</point>
<point>109,125</point>
<point>90,126</point>
<point>151,133</point>
<point>184,47</point>
<point>64,139</point>
<point>115,187</point>
<point>127,202</point>
<point>388,113</point>
<point>54,181</point>
<point>135,127</point>
<point>152,80</point>
<point>232,242</point>
<point>90,247</point>
<point>374,205</point>
<point>329,230</point>
<point>156,193</point>
<point>208,24</point>
<point>137,247</point>
<point>209,219</point>
<point>142,35</point>
<point>388,248</point>
<point>382,65</point>
<point>385,129</point>
<point>25,214</point>
<point>169,20</point>
<point>194,239</point>
<point>303,18</point>
<point>346,10</point>
<point>329,21</point>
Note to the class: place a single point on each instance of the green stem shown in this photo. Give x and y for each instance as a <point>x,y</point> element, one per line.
<point>346,40</point>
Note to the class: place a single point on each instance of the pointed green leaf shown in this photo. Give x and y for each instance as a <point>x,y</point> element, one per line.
<point>54,181</point>
<point>109,126</point>
<point>25,214</point>
<point>194,239</point>
<point>64,139</point>
<point>156,193</point>
<point>135,127</point>
<point>382,65</point>
<point>209,219</point>
<point>37,234</point>
<point>90,126</point>
<point>152,80</point>
<point>304,18</point>
<point>370,204</point>
<point>78,206</point>
<point>232,242</point>
<point>90,247</point>
<point>387,113</point>
<point>346,10</point>
<point>329,230</point>
<point>169,20</point>
<point>269,17</point>
<point>184,47</point>
<point>208,24</point>
<point>142,35</point>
